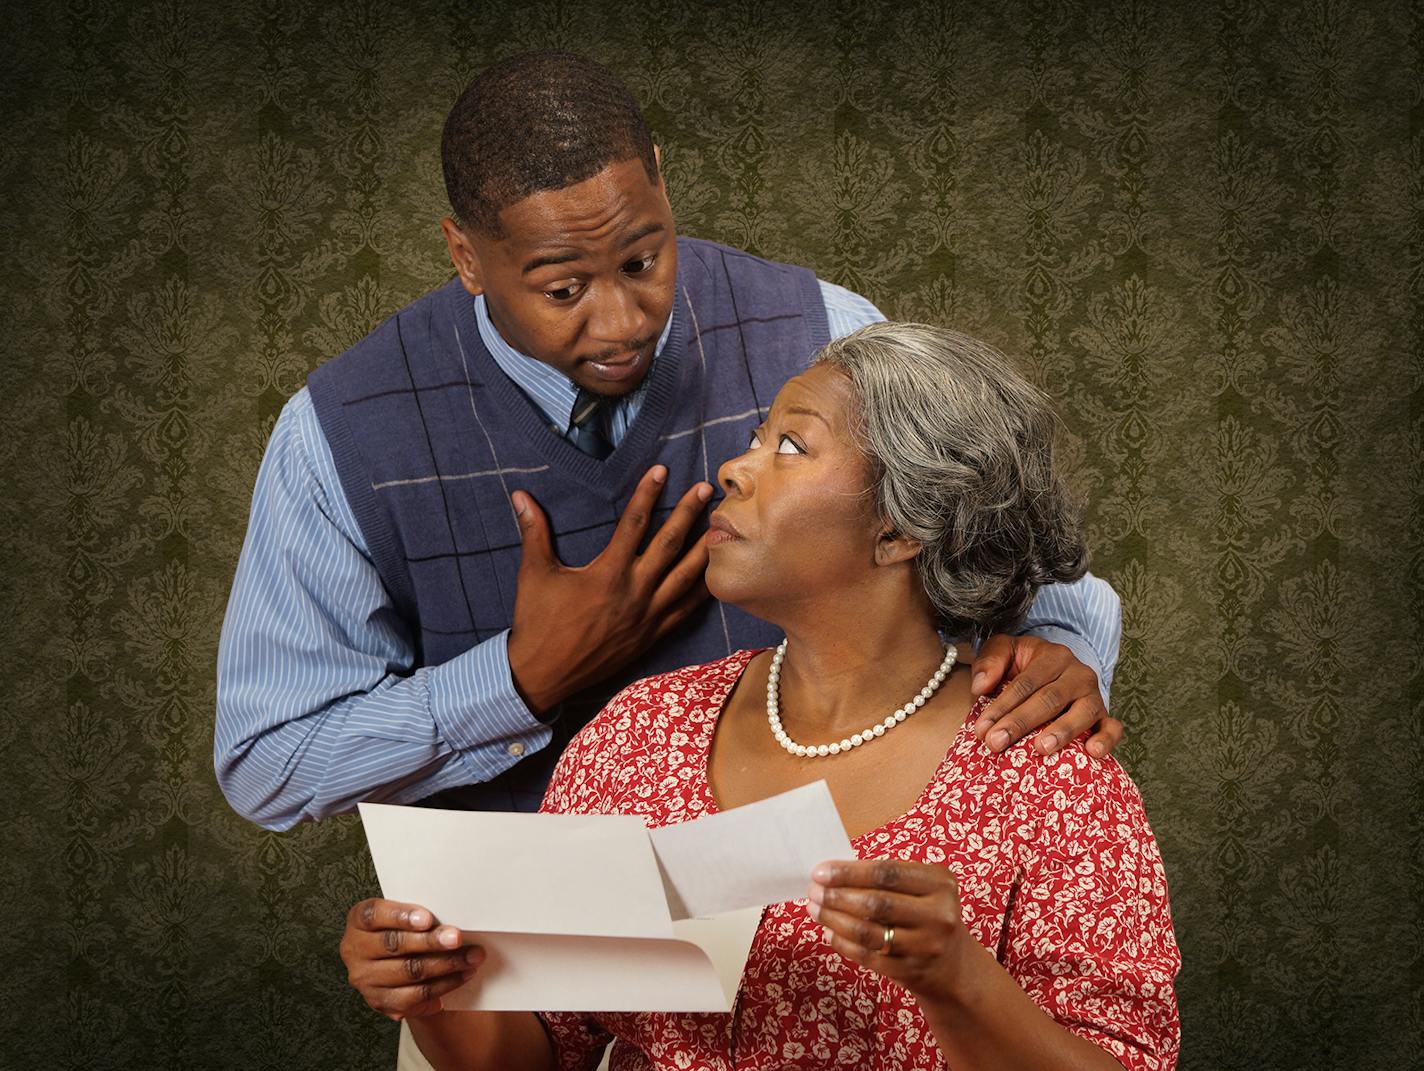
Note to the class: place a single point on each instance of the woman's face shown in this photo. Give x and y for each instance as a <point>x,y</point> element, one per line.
<point>798,523</point>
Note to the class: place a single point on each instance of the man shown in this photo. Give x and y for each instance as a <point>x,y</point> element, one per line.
<point>401,627</point>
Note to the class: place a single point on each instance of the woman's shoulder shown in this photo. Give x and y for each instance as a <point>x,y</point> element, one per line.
<point>1068,793</point>
<point>1073,781</point>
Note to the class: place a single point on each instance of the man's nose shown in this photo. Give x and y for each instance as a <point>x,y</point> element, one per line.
<point>617,316</point>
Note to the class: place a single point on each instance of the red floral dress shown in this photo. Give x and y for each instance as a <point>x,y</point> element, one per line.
<point>1059,845</point>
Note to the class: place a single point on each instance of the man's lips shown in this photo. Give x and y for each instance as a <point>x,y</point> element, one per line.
<point>621,366</point>
<point>618,361</point>
<point>720,530</point>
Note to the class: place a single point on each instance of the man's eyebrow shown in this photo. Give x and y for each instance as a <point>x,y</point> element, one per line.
<point>561,257</point>
<point>642,232</point>
<point>566,255</point>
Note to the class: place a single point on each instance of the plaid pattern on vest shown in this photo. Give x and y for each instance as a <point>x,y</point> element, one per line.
<point>430,438</point>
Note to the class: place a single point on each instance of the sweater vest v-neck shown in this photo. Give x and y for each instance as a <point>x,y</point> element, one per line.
<point>430,437</point>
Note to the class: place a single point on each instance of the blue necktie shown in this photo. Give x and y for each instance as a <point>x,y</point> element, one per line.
<point>586,423</point>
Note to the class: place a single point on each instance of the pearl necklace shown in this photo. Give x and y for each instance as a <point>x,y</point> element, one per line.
<point>820,751</point>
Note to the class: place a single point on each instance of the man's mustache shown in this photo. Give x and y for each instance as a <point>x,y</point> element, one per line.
<point>629,347</point>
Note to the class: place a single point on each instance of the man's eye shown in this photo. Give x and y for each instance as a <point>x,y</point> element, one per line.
<point>563,293</point>
<point>787,445</point>
<point>637,267</point>
<point>753,441</point>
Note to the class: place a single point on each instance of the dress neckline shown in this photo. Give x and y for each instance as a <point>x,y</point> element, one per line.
<point>716,704</point>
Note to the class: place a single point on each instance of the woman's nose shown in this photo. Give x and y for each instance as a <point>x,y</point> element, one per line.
<point>734,476</point>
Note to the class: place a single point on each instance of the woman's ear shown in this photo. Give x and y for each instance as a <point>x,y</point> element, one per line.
<point>892,548</point>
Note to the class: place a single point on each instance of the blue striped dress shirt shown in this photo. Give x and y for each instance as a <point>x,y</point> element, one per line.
<point>320,704</point>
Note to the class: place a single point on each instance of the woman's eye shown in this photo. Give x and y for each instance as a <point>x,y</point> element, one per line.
<point>787,445</point>
<point>637,267</point>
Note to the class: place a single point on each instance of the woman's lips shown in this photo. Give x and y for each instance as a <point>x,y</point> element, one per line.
<point>720,530</point>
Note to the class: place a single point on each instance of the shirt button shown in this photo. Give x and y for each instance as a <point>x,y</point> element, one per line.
<point>516,749</point>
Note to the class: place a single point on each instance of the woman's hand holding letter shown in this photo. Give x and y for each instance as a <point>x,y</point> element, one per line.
<point>903,920</point>
<point>861,903</point>
<point>402,960</point>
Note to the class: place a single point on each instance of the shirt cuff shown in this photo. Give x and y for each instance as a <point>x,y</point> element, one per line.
<point>476,708</point>
<point>1082,650</point>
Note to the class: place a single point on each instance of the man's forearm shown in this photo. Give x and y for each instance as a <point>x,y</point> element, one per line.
<point>285,750</point>
<point>1086,617</point>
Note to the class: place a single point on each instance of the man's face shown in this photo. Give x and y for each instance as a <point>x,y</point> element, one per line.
<point>583,278</point>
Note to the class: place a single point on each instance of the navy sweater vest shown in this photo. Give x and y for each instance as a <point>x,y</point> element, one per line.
<point>430,437</point>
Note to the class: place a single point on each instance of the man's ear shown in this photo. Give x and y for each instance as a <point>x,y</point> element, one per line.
<point>463,256</point>
<point>892,548</point>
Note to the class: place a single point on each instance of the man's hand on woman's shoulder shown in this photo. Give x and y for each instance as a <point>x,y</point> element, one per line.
<point>1047,686</point>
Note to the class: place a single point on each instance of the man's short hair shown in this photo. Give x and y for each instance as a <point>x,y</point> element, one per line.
<point>537,121</point>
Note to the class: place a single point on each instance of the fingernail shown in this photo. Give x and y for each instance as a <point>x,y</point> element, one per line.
<point>448,936</point>
<point>826,933</point>
<point>1097,750</point>
<point>704,492</point>
<point>817,894</point>
<point>1048,743</point>
<point>659,474</point>
<point>980,679</point>
<point>998,739</point>
<point>518,506</point>
<point>814,910</point>
<point>419,919</point>
<point>821,873</point>
<point>474,955</point>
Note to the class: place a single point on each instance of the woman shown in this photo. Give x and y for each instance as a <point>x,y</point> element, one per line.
<point>1007,911</point>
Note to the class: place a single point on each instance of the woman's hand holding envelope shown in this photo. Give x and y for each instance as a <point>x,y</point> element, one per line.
<point>402,960</point>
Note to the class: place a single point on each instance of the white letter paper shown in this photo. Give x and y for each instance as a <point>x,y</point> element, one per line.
<point>596,912</point>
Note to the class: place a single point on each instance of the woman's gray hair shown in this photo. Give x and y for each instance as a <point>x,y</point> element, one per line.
<point>962,448</point>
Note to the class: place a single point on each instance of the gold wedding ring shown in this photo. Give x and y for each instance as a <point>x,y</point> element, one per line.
<point>886,945</point>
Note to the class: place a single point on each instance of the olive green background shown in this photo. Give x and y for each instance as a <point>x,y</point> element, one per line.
<point>1198,226</point>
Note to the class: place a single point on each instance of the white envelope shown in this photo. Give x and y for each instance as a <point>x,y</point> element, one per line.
<point>590,912</point>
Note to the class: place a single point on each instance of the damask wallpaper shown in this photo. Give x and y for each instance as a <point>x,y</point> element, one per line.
<point>1196,225</point>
